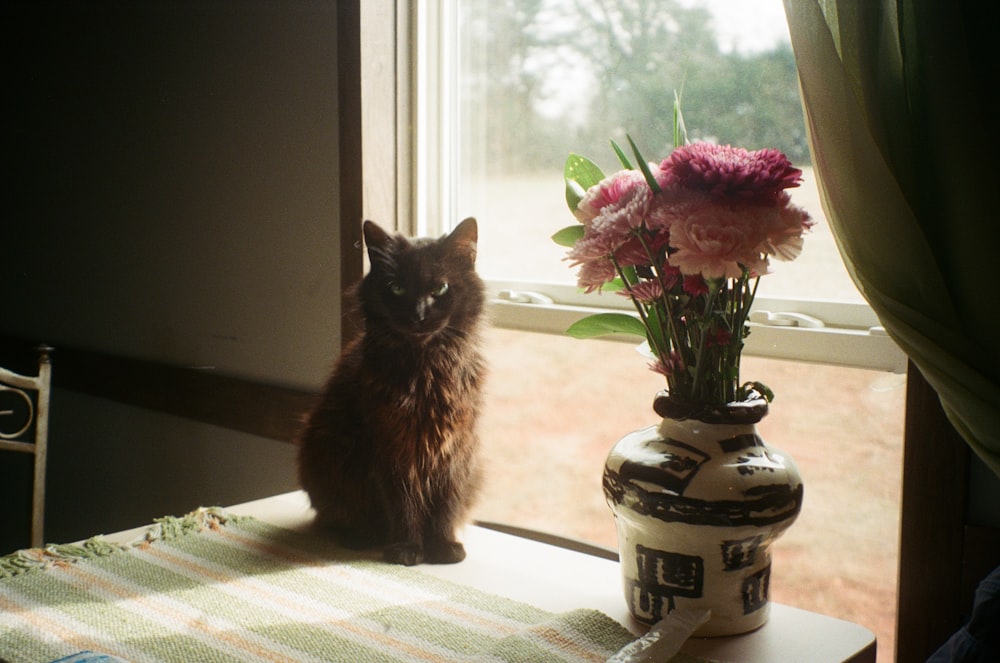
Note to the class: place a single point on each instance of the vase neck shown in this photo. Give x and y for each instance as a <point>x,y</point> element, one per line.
<point>693,429</point>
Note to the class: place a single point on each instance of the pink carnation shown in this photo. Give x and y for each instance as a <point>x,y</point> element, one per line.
<point>717,337</point>
<point>694,285</point>
<point>718,240</point>
<point>784,233</point>
<point>674,202</point>
<point>731,173</point>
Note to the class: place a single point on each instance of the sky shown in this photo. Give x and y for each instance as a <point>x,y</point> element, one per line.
<point>747,26</point>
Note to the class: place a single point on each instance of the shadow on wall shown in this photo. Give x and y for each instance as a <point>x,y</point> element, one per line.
<point>117,467</point>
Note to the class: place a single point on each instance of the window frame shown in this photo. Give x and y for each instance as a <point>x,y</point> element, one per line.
<point>779,328</point>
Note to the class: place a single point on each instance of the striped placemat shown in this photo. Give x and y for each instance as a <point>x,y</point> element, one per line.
<point>213,587</point>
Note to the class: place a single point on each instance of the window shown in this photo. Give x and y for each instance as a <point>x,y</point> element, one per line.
<point>510,88</point>
<point>505,89</point>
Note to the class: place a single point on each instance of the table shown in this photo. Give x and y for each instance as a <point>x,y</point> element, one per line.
<point>557,579</point>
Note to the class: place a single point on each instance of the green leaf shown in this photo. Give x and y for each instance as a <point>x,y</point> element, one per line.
<point>602,324</point>
<point>655,321</point>
<point>680,131</point>
<point>580,174</point>
<point>622,157</point>
<point>574,194</point>
<point>631,276</point>
<point>568,235</point>
<point>759,387</point>
<point>644,167</point>
<point>614,285</point>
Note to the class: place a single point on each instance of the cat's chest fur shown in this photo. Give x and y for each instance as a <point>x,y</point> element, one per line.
<point>420,403</point>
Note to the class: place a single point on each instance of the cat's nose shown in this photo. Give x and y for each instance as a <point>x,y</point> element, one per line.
<point>423,308</point>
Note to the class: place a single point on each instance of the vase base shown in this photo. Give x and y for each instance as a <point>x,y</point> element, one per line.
<point>720,627</point>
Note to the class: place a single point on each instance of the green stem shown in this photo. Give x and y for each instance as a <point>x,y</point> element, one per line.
<point>700,368</point>
<point>643,315</point>
<point>740,311</point>
<point>665,310</point>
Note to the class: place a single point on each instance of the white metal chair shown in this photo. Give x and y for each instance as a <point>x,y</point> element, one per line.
<point>19,414</point>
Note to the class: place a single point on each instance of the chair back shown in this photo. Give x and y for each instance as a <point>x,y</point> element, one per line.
<point>24,428</point>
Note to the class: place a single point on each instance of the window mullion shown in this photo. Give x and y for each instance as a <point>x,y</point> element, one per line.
<point>436,117</point>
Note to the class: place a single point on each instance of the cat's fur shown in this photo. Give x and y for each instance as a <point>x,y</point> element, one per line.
<point>389,456</point>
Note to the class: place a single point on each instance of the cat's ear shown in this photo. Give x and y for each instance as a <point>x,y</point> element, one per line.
<point>376,239</point>
<point>464,238</point>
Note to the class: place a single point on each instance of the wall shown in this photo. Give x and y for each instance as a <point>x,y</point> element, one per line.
<point>172,197</point>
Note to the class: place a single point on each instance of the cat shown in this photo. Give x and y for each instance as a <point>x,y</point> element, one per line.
<point>389,455</point>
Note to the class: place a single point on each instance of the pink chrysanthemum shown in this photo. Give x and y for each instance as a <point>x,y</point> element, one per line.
<point>642,248</point>
<point>626,215</point>
<point>595,274</point>
<point>668,366</point>
<point>612,212</point>
<point>592,253</point>
<point>609,192</point>
<point>644,291</point>
<point>731,172</point>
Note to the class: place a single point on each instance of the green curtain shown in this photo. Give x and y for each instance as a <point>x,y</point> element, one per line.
<point>898,97</point>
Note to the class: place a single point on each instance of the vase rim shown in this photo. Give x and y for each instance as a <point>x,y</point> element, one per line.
<point>749,411</point>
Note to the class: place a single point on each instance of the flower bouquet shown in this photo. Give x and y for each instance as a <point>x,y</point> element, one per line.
<point>686,240</point>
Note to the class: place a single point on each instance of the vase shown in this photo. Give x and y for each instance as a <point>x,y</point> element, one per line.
<point>697,506</point>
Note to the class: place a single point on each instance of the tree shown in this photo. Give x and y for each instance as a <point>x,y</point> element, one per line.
<point>561,75</point>
<point>640,53</point>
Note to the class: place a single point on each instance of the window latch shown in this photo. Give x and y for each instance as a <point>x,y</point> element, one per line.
<point>785,319</point>
<point>524,297</point>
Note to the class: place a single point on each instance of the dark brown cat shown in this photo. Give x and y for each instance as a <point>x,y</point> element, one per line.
<point>389,456</point>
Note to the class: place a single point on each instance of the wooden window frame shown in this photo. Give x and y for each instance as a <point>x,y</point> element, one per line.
<point>942,557</point>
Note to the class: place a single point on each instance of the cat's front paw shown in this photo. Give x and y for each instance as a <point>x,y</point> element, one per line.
<point>407,554</point>
<point>445,552</point>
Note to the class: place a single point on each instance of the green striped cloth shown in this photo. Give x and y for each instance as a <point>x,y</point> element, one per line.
<point>214,587</point>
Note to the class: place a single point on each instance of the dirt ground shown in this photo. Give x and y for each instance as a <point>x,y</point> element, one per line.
<point>556,406</point>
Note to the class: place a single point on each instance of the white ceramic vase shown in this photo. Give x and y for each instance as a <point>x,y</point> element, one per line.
<point>697,506</point>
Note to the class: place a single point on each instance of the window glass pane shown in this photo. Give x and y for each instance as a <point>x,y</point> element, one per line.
<point>538,79</point>
<point>556,406</point>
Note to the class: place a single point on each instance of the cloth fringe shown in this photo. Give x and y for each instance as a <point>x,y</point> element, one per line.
<point>165,529</point>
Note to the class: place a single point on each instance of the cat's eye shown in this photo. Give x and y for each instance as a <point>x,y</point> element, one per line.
<point>441,289</point>
<point>396,289</point>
